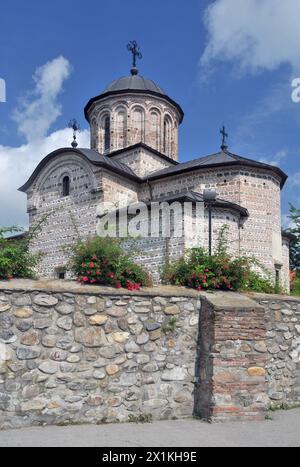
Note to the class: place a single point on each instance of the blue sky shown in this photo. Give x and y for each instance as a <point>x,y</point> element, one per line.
<point>222,64</point>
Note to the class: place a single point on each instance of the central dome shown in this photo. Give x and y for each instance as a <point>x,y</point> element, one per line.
<point>134,83</point>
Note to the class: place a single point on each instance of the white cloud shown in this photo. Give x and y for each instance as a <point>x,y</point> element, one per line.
<point>16,166</point>
<point>277,159</point>
<point>37,112</point>
<point>254,34</point>
<point>294,180</point>
<point>39,109</point>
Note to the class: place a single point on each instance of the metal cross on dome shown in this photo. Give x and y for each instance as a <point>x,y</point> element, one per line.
<point>76,129</point>
<point>135,49</point>
<point>224,137</point>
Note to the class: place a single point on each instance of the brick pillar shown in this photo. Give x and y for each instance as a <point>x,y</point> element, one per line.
<point>231,370</point>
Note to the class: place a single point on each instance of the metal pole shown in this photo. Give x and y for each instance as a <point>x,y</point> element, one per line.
<point>210,227</point>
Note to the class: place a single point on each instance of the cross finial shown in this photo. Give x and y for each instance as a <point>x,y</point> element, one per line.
<point>135,49</point>
<point>76,129</point>
<point>224,137</point>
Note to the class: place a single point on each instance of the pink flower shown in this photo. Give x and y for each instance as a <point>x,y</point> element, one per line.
<point>85,279</point>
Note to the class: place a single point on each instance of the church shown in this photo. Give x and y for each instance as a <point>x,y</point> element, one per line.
<point>133,158</point>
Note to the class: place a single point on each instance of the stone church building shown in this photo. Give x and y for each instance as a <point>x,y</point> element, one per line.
<point>134,158</point>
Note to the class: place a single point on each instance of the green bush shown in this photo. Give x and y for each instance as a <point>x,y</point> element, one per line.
<point>295,284</point>
<point>15,259</point>
<point>219,272</point>
<point>102,261</point>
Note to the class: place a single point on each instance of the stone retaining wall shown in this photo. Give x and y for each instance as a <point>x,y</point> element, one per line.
<point>79,354</point>
<point>90,357</point>
<point>282,348</point>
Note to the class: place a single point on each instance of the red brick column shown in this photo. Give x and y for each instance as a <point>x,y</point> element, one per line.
<point>231,369</point>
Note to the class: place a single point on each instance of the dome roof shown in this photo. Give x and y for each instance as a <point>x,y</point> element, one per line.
<point>134,83</point>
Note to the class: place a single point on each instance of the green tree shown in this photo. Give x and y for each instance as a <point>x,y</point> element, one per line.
<point>295,230</point>
<point>15,259</point>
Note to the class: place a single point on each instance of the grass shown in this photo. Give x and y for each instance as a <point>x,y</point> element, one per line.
<point>276,408</point>
<point>143,418</point>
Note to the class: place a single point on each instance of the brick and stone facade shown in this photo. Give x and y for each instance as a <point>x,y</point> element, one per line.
<point>134,158</point>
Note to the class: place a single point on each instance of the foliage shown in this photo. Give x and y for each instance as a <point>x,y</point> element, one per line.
<point>219,272</point>
<point>295,245</point>
<point>15,259</point>
<point>295,283</point>
<point>170,326</point>
<point>102,261</point>
<point>142,418</point>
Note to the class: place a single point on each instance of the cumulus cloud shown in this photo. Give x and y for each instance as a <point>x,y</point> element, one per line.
<point>40,108</point>
<point>277,159</point>
<point>254,34</point>
<point>34,117</point>
<point>16,166</point>
<point>294,180</point>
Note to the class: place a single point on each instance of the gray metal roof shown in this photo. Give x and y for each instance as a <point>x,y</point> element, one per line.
<point>93,156</point>
<point>192,197</point>
<point>223,158</point>
<point>134,83</point>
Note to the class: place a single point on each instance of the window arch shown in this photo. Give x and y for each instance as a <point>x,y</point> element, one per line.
<point>167,136</point>
<point>121,128</point>
<point>66,187</point>
<point>155,129</point>
<point>106,127</point>
<point>138,125</point>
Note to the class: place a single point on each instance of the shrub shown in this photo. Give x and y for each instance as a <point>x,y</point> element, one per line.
<point>15,259</point>
<point>295,283</point>
<point>219,272</point>
<point>102,261</point>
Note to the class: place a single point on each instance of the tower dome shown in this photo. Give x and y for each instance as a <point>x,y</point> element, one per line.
<point>134,83</point>
<point>132,110</point>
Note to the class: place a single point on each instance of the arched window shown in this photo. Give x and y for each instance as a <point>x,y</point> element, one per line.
<point>138,126</point>
<point>106,133</point>
<point>154,132</point>
<point>121,135</point>
<point>167,137</point>
<point>66,187</point>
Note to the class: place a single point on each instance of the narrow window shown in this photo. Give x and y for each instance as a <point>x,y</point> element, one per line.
<point>107,134</point>
<point>66,187</point>
<point>167,142</point>
<point>165,137</point>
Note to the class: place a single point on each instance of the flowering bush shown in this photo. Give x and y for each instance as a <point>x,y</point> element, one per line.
<point>15,259</point>
<point>102,261</point>
<point>200,271</point>
<point>220,272</point>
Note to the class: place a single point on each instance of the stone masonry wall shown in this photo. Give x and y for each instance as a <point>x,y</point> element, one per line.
<point>94,356</point>
<point>282,348</point>
<point>81,354</point>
